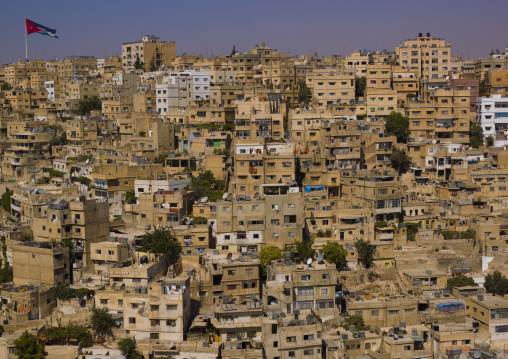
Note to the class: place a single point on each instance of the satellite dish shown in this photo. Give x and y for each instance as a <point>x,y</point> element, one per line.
<point>463,355</point>
<point>309,261</point>
<point>225,195</point>
<point>477,354</point>
<point>320,257</point>
<point>229,256</point>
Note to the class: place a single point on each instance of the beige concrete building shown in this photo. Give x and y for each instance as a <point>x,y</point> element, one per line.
<point>301,288</point>
<point>149,48</point>
<point>329,86</point>
<point>37,263</point>
<point>430,56</point>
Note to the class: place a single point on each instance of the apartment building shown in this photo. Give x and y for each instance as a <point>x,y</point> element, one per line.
<point>380,102</point>
<point>246,225</point>
<point>259,126</point>
<point>299,287</point>
<point>358,61</point>
<point>384,310</point>
<point>112,180</point>
<point>257,163</point>
<point>491,314</point>
<point>492,115</point>
<point>174,93</point>
<point>240,320</point>
<point>421,280</point>
<point>40,263</point>
<point>23,303</point>
<point>24,99</point>
<point>383,194</point>
<point>329,86</point>
<point>294,336</point>
<point>430,56</point>
<point>235,276</point>
<point>379,76</point>
<point>160,311</point>
<point>405,82</point>
<point>148,49</point>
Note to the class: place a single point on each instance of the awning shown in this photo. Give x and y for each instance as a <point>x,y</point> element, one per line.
<point>418,339</point>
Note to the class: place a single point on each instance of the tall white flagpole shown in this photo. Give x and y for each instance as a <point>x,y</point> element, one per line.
<point>26,42</point>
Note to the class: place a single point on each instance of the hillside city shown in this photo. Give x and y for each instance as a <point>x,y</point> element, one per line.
<point>255,205</point>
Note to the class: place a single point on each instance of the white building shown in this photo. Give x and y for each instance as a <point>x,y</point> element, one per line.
<point>200,83</point>
<point>492,115</point>
<point>174,93</point>
<point>50,89</point>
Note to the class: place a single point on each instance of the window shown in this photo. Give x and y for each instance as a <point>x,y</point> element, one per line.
<point>97,251</point>
<point>111,253</point>
<point>305,277</point>
<point>408,311</point>
<point>291,339</point>
<point>255,207</point>
<point>324,290</point>
<point>308,337</point>
<point>231,272</point>
<point>232,287</point>
<point>374,313</point>
<point>393,312</point>
<point>248,271</point>
<point>132,320</point>
<point>154,335</point>
<point>171,323</point>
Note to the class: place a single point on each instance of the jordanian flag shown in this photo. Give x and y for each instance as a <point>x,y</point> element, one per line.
<point>32,27</point>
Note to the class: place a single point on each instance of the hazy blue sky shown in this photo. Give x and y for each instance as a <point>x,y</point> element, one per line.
<point>212,27</point>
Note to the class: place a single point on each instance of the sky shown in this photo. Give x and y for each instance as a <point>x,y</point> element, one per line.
<point>211,28</point>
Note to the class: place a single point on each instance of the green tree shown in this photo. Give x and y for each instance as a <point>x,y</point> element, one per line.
<point>205,185</point>
<point>483,88</point>
<point>130,197</point>
<point>304,250</point>
<point>57,141</point>
<point>358,322</point>
<point>460,281</point>
<point>490,141</point>
<point>129,349</point>
<point>476,136</point>
<point>266,256</point>
<point>304,92</point>
<point>360,85</point>
<point>365,252</point>
<point>86,105</point>
<point>199,220</point>
<point>64,292</point>
<point>6,86</point>
<point>161,159</point>
<point>381,224</point>
<point>28,346</point>
<point>411,230</point>
<point>334,252</point>
<point>102,322</point>
<point>138,65</point>
<point>398,126</point>
<point>496,283</point>
<point>161,241</point>
<point>153,64</point>
<point>400,161</point>
<point>55,173</point>
<point>6,200</point>
<point>234,50</point>
<point>468,234</point>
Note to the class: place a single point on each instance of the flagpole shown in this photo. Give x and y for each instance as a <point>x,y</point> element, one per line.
<point>26,42</point>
